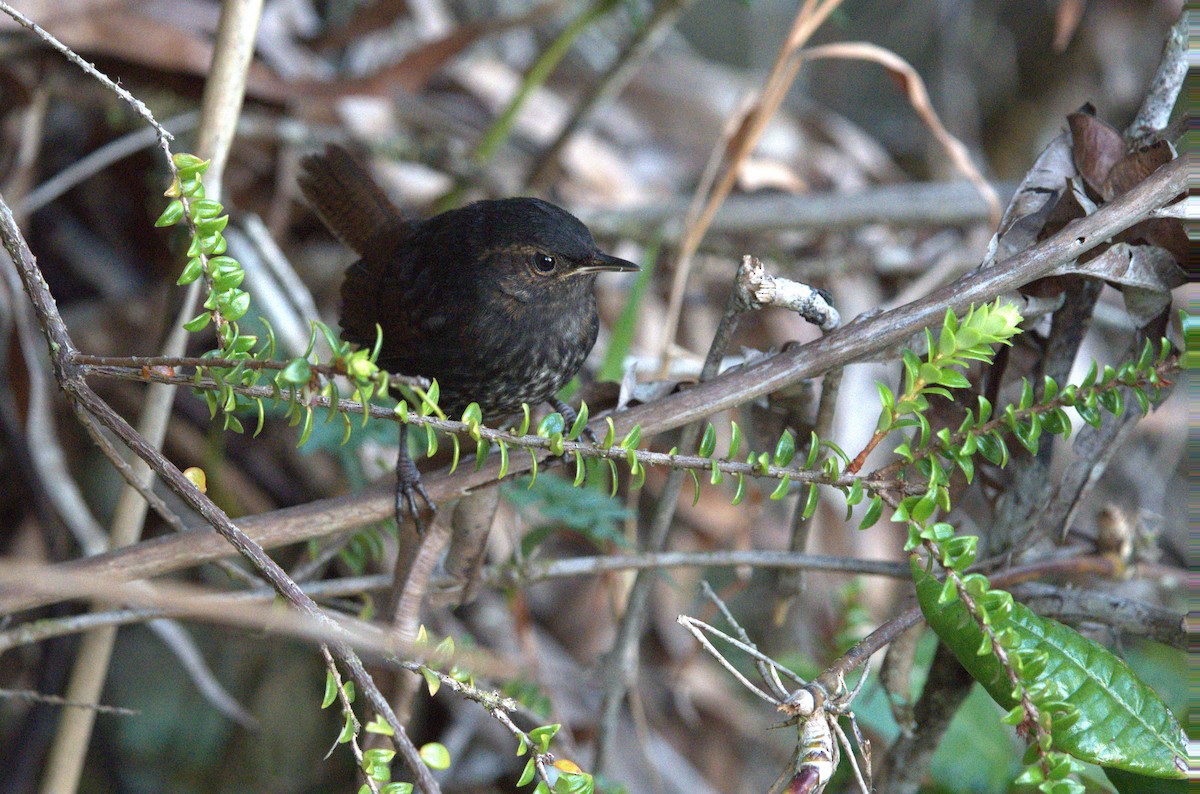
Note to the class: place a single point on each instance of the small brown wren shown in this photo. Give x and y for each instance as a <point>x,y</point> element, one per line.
<point>495,300</point>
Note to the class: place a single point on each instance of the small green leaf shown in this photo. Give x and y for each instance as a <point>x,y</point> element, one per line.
<point>735,440</point>
<point>306,430</point>
<point>191,271</point>
<point>874,512</point>
<point>503,461</point>
<point>347,730</point>
<point>740,492</point>
<point>379,726</point>
<point>633,438</point>
<point>610,435</point>
<point>708,442</point>
<point>171,215</point>
<point>780,491</point>
<point>432,682</point>
<point>431,442</point>
<point>297,372</point>
<point>198,323</point>
<point>580,470</point>
<point>435,755</point>
<point>696,487</point>
<point>810,501</point>
<point>580,423</point>
<point>330,690</point>
<point>785,449</point>
<point>551,424</point>
<point>528,774</point>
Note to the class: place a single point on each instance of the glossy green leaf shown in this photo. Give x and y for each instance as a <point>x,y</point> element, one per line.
<point>580,423</point>
<point>785,449</point>
<point>1123,722</point>
<point>171,215</point>
<point>708,442</point>
<point>810,501</point>
<point>780,491</point>
<point>435,755</point>
<point>874,512</point>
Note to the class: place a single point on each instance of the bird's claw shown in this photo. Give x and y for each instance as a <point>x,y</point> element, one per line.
<point>408,488</point>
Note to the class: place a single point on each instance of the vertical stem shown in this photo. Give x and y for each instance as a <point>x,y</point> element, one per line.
<point>232,52</point>
<point>620,667</point>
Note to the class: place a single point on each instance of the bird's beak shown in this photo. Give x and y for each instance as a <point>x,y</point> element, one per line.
<point>601,261</point>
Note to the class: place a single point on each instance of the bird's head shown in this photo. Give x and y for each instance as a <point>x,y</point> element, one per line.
<point>529,250</point>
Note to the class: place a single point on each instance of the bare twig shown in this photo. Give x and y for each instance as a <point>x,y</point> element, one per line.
<point>850,343</point>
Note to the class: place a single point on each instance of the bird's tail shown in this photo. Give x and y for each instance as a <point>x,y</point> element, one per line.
<point>348,199</point>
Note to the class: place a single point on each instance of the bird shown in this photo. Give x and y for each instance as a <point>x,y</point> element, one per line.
<point>495,300</point>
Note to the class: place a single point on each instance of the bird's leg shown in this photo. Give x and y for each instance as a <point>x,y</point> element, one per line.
<point>408,486</point>
<point>569,416</point>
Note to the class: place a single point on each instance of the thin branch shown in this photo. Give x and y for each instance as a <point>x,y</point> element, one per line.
<point>852,342</point>
<point>72,382</point>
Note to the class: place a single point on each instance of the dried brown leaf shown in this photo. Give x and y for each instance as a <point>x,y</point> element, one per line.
<point>1135,167</point>
<point>1097,147</point>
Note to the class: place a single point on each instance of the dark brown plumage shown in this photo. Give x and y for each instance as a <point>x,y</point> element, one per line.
<point>495,300</point>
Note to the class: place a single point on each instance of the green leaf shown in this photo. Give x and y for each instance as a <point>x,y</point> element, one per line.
<point>696,487</point>
<point>708,442</point>
<point>1123,722</point>
<point>740,492</point>
<point>191,271</point>
<point>580,423</point>
<point>810,502</point>
<point>610,435</point>
<point>435,755</point>
<point>297,372</point>
<point>581,471</point>
<point>780,491</point>
<point>874,511</point>
<point>432,682</point>
<point>171,215</point>
<point>198,323</point>
<point>528,774</point>
<point>785,449</point>
<point>330,690</point>
<point>379,725</point>
<point>551,424</point>
<point>735,440</point>
<point>542,735</point>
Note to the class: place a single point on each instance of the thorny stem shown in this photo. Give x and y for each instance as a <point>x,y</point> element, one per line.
<point>202,362</point>
<point>585,449</point>
<point>1032,722</point>
<point>1169,366</point>
<point>70,378</point>
<point>496,705</point>
<point>348,713</point>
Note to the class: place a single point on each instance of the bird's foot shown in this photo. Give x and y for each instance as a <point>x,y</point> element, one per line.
<point>409,487</point>
<point>569,416</point>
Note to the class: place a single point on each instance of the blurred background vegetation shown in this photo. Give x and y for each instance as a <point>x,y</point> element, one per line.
<point>412,87</point>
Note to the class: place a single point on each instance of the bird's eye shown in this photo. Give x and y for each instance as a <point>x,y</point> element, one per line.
<point>544,263</point>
